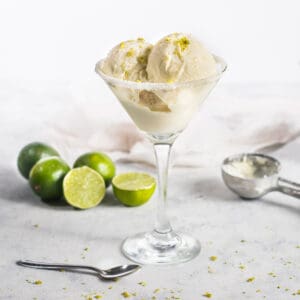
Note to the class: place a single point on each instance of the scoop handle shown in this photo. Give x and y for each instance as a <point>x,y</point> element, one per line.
<point>288,187</point>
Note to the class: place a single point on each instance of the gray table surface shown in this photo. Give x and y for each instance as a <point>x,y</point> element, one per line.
<point>258,239</point>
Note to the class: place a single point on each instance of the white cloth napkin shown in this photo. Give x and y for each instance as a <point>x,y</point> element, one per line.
<point>231,121</point>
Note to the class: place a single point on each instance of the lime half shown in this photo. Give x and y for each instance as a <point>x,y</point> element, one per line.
<point>133,189</point>
<point>83,188</point>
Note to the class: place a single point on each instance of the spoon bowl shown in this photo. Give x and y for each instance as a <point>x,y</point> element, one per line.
<point>119,271</point>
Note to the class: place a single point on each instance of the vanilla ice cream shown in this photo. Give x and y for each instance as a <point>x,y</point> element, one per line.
<point>175,58</point>
<point>128,60</point>
<point>179,58</point>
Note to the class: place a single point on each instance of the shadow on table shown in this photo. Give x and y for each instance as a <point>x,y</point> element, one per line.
<point>268,201</point>
<point>214,190</point>
<point>110,199</point>
<point>14,188</point>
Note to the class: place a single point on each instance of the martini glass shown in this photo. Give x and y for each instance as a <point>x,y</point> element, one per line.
<point>162,111</point>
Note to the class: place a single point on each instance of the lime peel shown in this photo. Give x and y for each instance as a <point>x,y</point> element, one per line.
<point>31,154</point>
<point>133,189</point>
<point>46,177</point>
<point>100,162</point>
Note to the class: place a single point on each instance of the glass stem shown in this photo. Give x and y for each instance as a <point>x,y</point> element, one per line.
<point>162,155</point>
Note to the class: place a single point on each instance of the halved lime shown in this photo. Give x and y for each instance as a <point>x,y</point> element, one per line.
<point>83,188</point>
<point>133,189</point>
<point>46,177</point>
<point>31,154</point>
<point>99,162</point>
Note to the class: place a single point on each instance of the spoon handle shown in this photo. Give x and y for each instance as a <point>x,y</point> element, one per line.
<point>48,266</point>
<point>288,187</point>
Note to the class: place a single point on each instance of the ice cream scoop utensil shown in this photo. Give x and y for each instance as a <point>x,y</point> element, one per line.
<point>252,175</point>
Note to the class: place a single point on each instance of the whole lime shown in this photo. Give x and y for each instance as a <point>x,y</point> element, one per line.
<point>99,162</point>
<point>133,189</point>
<point>31,154</point>
<point>46,178</point>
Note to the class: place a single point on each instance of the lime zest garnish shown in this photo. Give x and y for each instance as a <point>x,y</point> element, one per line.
<point>126,75</point>
<point>130,52</point>
<point>142,59</point>
<point>251,279</point>
<point>183,43</point>
<point>177,53</point>
<point>126,294</point>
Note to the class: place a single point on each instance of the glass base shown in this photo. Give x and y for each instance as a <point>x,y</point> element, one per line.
<point>160,248</point>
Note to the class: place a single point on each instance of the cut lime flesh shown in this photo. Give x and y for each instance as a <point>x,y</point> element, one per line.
<point>83,188</point>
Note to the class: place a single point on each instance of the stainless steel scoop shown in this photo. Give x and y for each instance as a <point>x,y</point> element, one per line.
<point>254,175</point>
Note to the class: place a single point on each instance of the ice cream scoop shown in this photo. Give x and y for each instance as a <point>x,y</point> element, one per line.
<point>128,60</point>
<point>253,175</point>
<point>179,58</point>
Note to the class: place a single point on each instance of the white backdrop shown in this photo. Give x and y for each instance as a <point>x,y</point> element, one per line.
<point>62,39</point>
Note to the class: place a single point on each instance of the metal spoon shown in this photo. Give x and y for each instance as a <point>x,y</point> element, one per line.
<point>112,273</point>
<point>265,177</point>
